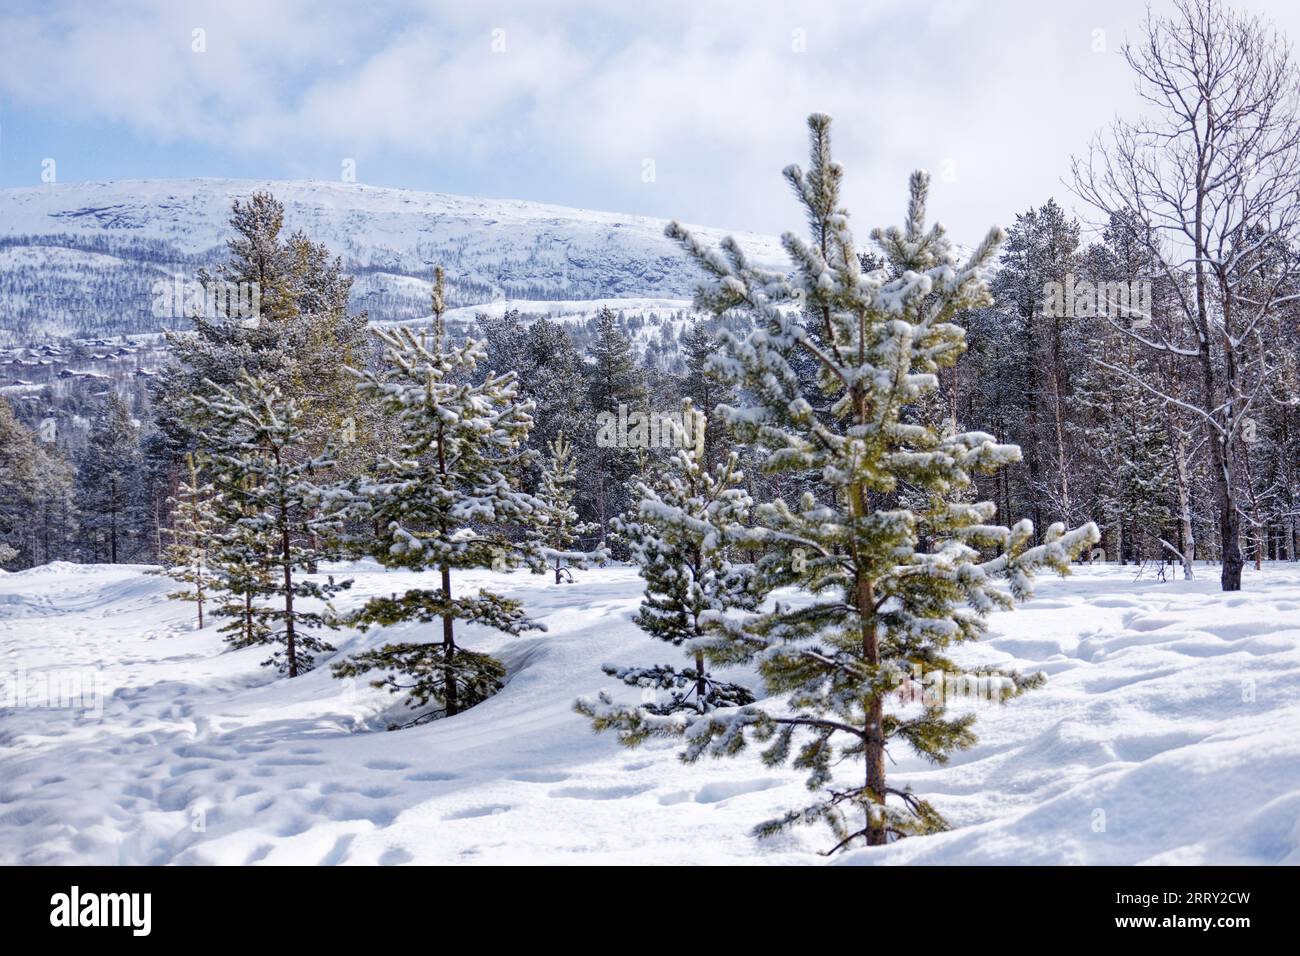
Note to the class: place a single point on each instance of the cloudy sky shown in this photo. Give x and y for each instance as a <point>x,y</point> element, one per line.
<point>673,108</point>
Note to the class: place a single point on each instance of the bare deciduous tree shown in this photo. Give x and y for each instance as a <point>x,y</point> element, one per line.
<point>1211,178</point>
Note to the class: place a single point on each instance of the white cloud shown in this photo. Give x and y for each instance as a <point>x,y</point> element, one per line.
<point>993,97</point>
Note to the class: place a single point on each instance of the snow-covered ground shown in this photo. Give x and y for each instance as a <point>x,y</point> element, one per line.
<point>1168,732</point>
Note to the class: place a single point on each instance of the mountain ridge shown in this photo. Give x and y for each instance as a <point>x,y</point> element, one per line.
<point>390,239</point>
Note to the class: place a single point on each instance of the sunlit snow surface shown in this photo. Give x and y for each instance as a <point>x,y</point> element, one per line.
<point>1168,732</point>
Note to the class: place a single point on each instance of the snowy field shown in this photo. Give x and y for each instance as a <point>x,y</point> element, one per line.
<point>1168,732</point>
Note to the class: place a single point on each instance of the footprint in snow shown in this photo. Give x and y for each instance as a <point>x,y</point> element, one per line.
<point>600,793</point>
<point>430,776</point>
<point>289,762</point>
<point>338,852</point>
<point>726,789</point>
<point>487,810</point>
<point>386,765</point>
<point>259,853</point>
<point>539,776</point>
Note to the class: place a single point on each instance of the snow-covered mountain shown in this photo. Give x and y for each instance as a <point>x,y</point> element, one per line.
<point>82,258</point>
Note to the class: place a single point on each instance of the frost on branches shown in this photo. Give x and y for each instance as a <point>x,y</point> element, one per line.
<point>556,526</point>
<point>889,589</point>
<point>443,501</point>
<point>195,522</point>
<point>264,472</point>
<point>680,530</point>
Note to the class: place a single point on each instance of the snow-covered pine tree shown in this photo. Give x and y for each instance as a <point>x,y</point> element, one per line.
<point>263,470</point>
<point>555,523</point>
<point>1040,248</point>
<point>301,339</point>
<point>1129,439</point>
<point>36,491</point>
<point>242,557</point>
<point>706,386</point>
<point>186,557</point>
<point>883,610</point>
<point>551,375</point>
<point>679,530</point>
<point>615,379</point>
<point>19,455</point>
<point>109,473</point>
<point>443,502</point>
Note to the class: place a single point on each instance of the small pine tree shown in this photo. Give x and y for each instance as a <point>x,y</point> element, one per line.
<point>883,606</point>
<point>556,526</point>
<point>186,558</point>
<point>678,532</point>
<point>443,502</point>
<point>242,557</point>
<point>265,473</point>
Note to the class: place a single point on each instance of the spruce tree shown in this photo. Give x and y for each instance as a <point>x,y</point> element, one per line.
<point>556,525</point>
<point>614,380</point>
<point>443,502</point>
<point>109,479</point>
<point>186,558</point>
<point>1044,354</point>
<point>705,385</point>
<point>883,608</point>
<point>36,496</point>
<point>680,529</point>
<point>265,471</point>
<point>19,463</point>
<point>551,375</point>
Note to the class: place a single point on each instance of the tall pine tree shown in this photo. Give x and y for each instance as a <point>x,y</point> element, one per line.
<point>883,608</point>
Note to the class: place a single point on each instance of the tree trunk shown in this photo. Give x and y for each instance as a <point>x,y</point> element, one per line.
<point>1186,539</point>
<point>1063,472</point>
<point>1222,467</point>
<point>449,649</point>
<point>701,685</point>
<point>112,522</point>
<point>875,708</point>
<point>286,558</point>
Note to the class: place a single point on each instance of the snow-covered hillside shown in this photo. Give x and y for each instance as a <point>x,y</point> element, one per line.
<point>1168,732</point>
<point>82,258</point>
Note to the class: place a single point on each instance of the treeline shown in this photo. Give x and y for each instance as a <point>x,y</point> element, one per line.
<point>1074,390</point>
